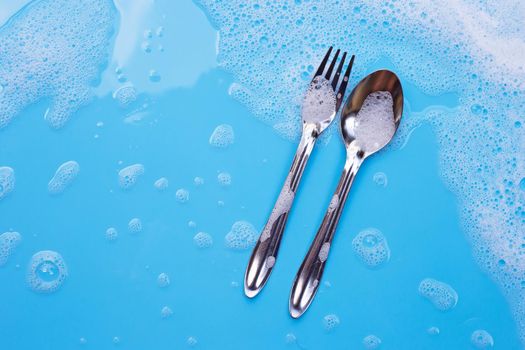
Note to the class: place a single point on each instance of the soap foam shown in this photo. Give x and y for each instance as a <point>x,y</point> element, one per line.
<point>371,247</point>
<point>7,181</point>
<point>128,176</point>
<point>440,294</point>
<point>472,48</point>
<point>47,272</point>
<point>64,175</point>
<point>242,236</point>
<point>8,242</point>
<point>54,49</point>
<point>203,240</point>
<point>374,123</point>
<point>319,101</point>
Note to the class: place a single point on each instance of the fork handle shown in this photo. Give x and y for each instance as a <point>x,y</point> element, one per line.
<point>265,252</point>
<point>310,273</point>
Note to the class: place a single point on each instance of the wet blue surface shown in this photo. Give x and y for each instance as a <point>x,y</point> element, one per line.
<point>112,290</point>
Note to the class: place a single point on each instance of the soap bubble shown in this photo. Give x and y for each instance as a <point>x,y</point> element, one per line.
<point>161,184</point>
<point>182,195</point>
<point>128,176</point>
<point>111,234</point>
<point>371,342</point>
<point>330,322</point>
<point>290,338</point>
<point>224,179</point>
<point>380,179</point>
<point>371,247</point>
<point>163,280</point>
<point>8,242</point>
<point>46,272</point>
<point>7,181</point>
<point>203,240</point>
<point>222,137</point>
<point>135,225</point>
<point>116,340</point>
<point>440,294</point>
<point>198,181</point>
<point>481,339</point>
<point>64,175</point>
<point>241,236</point>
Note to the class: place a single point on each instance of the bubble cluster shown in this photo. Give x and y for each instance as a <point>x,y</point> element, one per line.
<point>319,101</point>
<point>64,176</point>
<point>330,322</point>
<point>283,205</point>
<point>222,137</point>
<point>224,179</point>
<point>371,247</point>
<point>481,339</point>
<point>374,123</point>
<point>111,234</point>
<point>371,342</point>
<point>163,280</point>
<point>7,181</point>
<point>290,338</point>
<point>323,253</point>
<point>135,225</point>
<point>192,341</point>
<point>203,240</point>
<point>161,184</point>
<point>125,95</point>
<point>198,181</point>
<point>8,242</point>
<point>472,49</point>
<point>51,50</point>
<point>242,236</point>
<point>440,294</point>
<point>46,272</point>
<point>128,176</point>
<point>166,312</point>
<point>182,195</point>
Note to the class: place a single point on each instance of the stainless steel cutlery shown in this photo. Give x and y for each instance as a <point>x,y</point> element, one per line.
<point>369,120</point>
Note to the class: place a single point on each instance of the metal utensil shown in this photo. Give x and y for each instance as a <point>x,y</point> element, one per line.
<point>319,109</point>
<point>358,148</point>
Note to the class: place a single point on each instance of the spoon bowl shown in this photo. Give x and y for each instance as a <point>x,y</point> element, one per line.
<point>379,81</point>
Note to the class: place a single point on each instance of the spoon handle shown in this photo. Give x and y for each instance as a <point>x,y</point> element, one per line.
<point>309,275</point>
<point>265,252</point>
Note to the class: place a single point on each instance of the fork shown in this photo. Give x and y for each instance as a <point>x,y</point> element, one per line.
<point>318,110</point>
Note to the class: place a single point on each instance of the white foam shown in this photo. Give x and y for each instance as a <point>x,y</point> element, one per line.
<point>128,176</point>
<point>374,123</point>
<point>203,240</point>
<point>111,234</point>
<point>46,272</point>
<point>242,236</point>
<point>331,321</point>
<point>224,179</point>
<point>50,49</point>
<point>182,195</point>
<point>222,137</point>
<point>135,225</point>
<point>481,339</point>
<point>440,294</point>
<point>8,242</point>
<point>7,181</point>
<point>163,280</point>
<point>319,102</point>
<point>161,184</point>
<point>323,253</point>
<point>64,176</point>
<point>371,342</point>
<point>371,247</point>
<point>283,205</point>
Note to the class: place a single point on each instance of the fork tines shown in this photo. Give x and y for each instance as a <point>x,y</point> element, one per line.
<point>328,75</point>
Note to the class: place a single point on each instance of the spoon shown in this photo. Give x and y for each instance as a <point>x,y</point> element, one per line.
<point>369,120</point>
